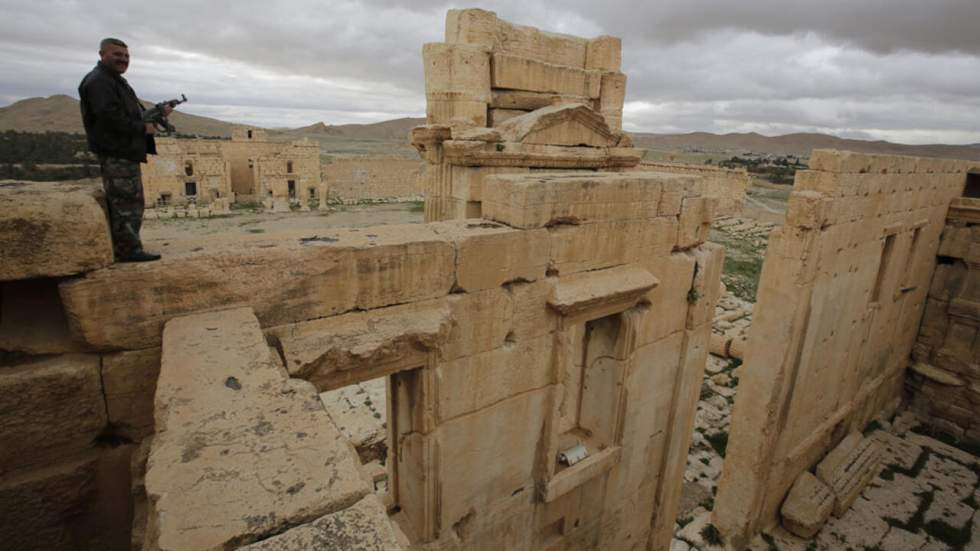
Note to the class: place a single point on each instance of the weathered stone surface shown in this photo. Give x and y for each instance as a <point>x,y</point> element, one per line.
<point>51,408</point>
<point>616,288</point>
<point>580,248</point>
<point>39,510</point>
<point>237,442</point>
<point>480,153</point>
<point>490,254</point>
<point>808,506</point>
<point>341,350</point>
<point>289,279</point>
<point>848,468</point>
<point>476,26</point>
<point>520,73</point>
<point>362,526</point>
<point>566,124</point>
<point>933,373</point>
<point>50,229</point>
<point>130,380</point>
<point>541,199</point>
<point>529,101</point>
<point>32,319</point>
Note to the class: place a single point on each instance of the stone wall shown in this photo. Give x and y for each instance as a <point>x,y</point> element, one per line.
<point>725,184</point>
<point>944,380</point>
<point>248,167</point>
<point>353,180</point>
<point>183,166</point>
<point>841,294</point>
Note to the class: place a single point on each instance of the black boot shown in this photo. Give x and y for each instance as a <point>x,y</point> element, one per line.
<point>139,255</point>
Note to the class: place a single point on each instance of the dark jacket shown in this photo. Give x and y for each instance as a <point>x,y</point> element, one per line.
<point>113,117</point>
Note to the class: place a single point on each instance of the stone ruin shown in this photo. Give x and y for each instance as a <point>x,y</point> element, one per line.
<point>542,361</point>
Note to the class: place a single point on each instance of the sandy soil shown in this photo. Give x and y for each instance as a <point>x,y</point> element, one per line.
<point>180,235</point>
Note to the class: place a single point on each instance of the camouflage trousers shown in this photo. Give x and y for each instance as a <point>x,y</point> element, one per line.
<point>124,197</point>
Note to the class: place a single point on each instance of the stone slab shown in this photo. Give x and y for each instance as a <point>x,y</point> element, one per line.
<point>489,254</point>
<point>52,407</point>
<point>808,506</point>
<point>238,444</point>
<point>342,350</point>
<point>848,468</point>
<point>521,73</point>
<point>286,279</point>
<point>363,526</point>
<point>541,199</point>
<point>588,291</point>
<point>50,229</point>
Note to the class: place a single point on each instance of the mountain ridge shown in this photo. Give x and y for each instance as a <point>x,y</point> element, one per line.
<point>59,113</point>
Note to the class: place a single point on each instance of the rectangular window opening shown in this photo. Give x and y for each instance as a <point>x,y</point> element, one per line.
<point>190,189</point>
<point>972,188</point>
<point>292,188</point>
<point>289,167</point>
<point>886,254</point>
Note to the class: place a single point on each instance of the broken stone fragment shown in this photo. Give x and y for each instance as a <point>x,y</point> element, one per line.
<point>50,229</point>
<point>848,469</point>
<point>808,506</point>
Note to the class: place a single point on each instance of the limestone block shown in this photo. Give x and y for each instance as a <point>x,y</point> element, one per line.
<point>286,280</point>
<point>471,26</point>
<point>482,321</point>
<point>604,53</point>
<point>51,229</point>
<point>669,300</point>
<point>457,72</point>
<point>532,316</point>
<point>472,383</point>
<point>363,526</point>
<point>529,101</point>
<point>130,380</point>
<point>709,259</point>
<point>695,220</point>
<point>807,507</point>
<point>848,468</point>
<point>238,443</point>
<point>489,255</point>
<point>612,96</point>
<point>479,153</point>
<point>521,73</point>
<point>937,375</point>
<point>807,209</point>
<point>718,345</point>
<point>477,439</point>
<point>597,291</point>
<point>40,509</point>
<point>341,350</point>
<point>568,124</point>
<point>52,408</point>
<point>541,199</point>
<point>496,117</point>
<point>456,112</point>
<point>604,244</point>
<point>32,319</point>
<point>468,182</point>
<point>738,347</point>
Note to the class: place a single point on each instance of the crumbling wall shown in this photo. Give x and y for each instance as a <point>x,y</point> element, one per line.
<point>944,380</point>
<point>840,298</point>
<point>165,175</point>
<point>726,185</point>
<point>353,180</point>
<point>486,83</point>
<point>64,480</point>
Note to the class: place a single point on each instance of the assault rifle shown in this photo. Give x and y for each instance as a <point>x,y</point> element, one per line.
<point>155,115</point>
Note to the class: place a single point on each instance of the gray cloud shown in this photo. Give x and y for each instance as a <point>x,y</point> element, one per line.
<point>895,69</point>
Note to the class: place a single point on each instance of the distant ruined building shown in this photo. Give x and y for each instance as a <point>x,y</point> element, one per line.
<point>247,168</point>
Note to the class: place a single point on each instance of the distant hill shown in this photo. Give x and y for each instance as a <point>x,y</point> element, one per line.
<point>395,129</point>
<point>799,145</point>
<point>60,114</point>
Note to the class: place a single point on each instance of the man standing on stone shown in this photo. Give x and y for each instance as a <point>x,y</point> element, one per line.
<point>113,119</point>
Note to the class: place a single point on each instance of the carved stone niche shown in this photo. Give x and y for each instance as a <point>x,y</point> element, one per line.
<point>600,312</point>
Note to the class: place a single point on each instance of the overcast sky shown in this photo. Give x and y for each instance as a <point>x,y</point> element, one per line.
<point>898,70</point>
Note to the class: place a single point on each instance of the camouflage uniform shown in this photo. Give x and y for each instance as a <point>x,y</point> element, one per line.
<point>124,198</point>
